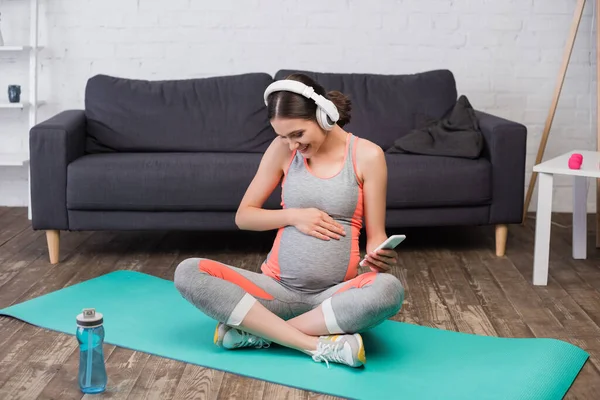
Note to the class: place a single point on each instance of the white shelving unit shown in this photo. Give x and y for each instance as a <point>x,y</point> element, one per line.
<point>21,158</point>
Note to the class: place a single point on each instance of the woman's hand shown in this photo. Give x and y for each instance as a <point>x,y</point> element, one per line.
<point>317,223</point>
<point>382,260</point>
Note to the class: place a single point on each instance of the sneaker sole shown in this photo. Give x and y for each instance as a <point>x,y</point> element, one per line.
<point>216,338</point>
<point>218,335</point>
<point>361,349</point>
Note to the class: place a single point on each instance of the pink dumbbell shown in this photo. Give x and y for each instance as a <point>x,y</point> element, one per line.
<point>575,161</point>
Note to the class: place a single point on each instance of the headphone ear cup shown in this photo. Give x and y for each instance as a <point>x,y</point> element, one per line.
<point>323,119</point>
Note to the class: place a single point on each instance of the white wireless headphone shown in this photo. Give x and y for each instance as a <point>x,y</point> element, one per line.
<point>325,107</point>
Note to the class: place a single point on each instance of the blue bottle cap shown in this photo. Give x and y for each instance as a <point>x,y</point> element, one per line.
<point>89,318</point>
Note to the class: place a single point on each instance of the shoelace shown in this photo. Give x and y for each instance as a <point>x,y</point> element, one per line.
<point>327,351</point>
<point>250,339</point>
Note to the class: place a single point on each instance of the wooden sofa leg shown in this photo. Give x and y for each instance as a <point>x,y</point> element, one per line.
<point>501,234</point>
<point>53,239</point>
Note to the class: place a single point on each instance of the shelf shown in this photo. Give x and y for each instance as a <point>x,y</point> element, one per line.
<point>19,105</point>
<point>13,105</point>
<point>13,159</point>
<point>14,48</point>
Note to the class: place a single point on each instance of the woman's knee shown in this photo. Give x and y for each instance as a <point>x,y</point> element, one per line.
<point>186,272</point>
<point>391,292</point>
<point>361,310</point>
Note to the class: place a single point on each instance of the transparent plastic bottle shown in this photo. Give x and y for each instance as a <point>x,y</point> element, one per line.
<point>90,335</point>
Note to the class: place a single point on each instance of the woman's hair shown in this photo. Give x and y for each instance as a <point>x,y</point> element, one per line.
<point>287,104</point>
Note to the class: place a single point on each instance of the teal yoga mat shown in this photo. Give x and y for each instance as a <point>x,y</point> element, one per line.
<point>404,361</point>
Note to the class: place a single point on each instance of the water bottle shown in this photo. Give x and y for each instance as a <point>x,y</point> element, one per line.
<point>90,335</point>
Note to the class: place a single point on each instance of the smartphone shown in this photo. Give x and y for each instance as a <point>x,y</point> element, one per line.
<point>389,243</point>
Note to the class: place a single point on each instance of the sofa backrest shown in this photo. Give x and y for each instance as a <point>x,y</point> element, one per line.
<point>386,107</point>
<point>227,113</point>
<point>224,113</point>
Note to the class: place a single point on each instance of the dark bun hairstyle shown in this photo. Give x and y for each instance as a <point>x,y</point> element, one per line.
<point>285,104</point>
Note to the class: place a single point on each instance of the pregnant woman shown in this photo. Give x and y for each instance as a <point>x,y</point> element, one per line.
<point>309,296</point>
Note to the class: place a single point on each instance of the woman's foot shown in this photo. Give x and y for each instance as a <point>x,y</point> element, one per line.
<point>232,338</point>
<point>343,349</point>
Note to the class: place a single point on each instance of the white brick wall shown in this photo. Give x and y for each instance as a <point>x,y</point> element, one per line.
<point>505,54</point>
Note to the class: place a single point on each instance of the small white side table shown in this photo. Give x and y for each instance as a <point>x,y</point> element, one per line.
<point>590,168</point>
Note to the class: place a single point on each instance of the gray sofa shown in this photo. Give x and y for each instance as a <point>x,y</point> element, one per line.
<point>179,154</point>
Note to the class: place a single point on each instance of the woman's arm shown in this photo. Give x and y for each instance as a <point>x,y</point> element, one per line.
<point>373,169</point>
<point>373,172</point>
<point>250,214</point>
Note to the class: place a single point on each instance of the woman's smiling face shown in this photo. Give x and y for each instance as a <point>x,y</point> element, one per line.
<point>304,135</point>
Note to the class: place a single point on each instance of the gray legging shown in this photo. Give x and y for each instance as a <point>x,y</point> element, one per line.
<point>227,293</point>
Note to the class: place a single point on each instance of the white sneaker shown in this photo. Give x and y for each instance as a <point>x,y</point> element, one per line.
<point>231,338</point>
<point>343,349</point>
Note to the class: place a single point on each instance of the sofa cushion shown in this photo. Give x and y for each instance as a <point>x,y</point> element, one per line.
<point>216,114</point>
<point>162,181</point>
<point>384,107</point>
<point>416,181</point>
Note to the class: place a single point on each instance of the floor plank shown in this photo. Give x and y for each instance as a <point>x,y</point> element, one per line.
<point>452,278</point>
<point>17,243</point>
<point>423,300</point>
<point>241,388</point>
<point>561,294</point>
<point>506,320</point>
<point>273,391</point>
<point>158,379</point>
<point>13,222</point>
<point>199,383</point>
<point>462,303</point>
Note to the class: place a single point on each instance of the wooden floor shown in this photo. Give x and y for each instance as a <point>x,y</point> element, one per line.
<point>452,277</point>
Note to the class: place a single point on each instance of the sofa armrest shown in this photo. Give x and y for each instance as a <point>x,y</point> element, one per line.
<point>53,144</point>
<point>506,148</point>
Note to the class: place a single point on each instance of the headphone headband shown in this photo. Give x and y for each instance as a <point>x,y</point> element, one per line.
<point>323,104</point>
